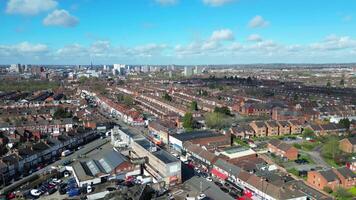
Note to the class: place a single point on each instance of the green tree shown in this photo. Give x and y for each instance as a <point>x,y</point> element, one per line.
<point>223,110</point>
<point>194,106</point>
<point>328,84</point>
<point>330,148</point>
<point>342,193</point>
<point>308,133</point>
<point>61,113</point>
<point>216,120</point>
<point>327,189</point>
<point>128,100</point>
<point>82,80</point>
<point>345,123</point>
<point>188,121</point>
<point>167,97</point>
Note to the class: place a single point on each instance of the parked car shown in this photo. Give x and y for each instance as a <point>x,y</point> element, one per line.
<point>110,189</point>
<point>209,179</point>
<point>73,192</point>
<point>36,193</point>
<point>201,196</point>
<point>51,191</point>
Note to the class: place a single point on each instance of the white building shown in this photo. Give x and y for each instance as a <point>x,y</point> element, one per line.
<point>188,71</point>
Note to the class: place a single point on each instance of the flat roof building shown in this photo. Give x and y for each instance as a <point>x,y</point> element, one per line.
<point>162,165</point>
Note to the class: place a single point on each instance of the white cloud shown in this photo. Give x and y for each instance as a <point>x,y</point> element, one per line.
<point>217,2</point>
<point>331,49</point>
<point>29,7</point>
<point>221,35</point>
<point>332,43</point>
<point>258,22</point>
<point>148,50</point>
<point>166,2</point>
<point>23,49</point>
<point>60,18</point>
<point>100,47</point>
<point>254,38</point>
<point>72,51</point>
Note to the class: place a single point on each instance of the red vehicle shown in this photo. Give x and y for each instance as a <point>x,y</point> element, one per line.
<point>11,195</point>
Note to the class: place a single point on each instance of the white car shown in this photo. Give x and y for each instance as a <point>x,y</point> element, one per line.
<point>66,174</point>
<point>201,196</point>
<point>89,189</point>
<point>56,181</point>
<point>209,179</point>
<point>35,193</point>
<point>170,196</point>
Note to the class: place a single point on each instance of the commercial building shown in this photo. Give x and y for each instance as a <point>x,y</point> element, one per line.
<point>209,139</point>
<point>162,165</point>
<point>100,167</point>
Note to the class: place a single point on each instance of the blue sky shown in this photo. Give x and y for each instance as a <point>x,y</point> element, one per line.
<point>177,31</point>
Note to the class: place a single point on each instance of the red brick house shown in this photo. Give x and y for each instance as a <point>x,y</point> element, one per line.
<point>282,149</point>
<point>332,178</point>
<point>322,179</point>
<point>348,145</point>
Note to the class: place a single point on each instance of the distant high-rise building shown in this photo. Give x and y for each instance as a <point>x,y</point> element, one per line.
<point>145,68</point>
<point>17,68</point>
<point>120,69</point>
<point>188,71</point>
<point>198,70</point>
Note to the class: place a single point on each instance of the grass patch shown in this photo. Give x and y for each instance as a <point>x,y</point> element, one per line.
<point>353,191</point>
<point>331,162</point>
<point>308,146</point>
<point>240,142</point>
<point>307,158</point>
<point>293,171</point>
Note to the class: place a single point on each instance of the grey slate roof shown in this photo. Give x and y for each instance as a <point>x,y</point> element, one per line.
<point>186,136</point>
<point>346,172</point>
<point>329,175</point>
<point>228,167</point>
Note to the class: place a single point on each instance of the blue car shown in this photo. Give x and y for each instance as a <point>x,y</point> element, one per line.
<point>73,192</point>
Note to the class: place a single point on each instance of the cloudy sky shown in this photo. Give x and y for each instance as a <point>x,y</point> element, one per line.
<point>177,31</point>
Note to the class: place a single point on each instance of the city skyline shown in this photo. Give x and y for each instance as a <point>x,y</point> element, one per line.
<point>177,32</point>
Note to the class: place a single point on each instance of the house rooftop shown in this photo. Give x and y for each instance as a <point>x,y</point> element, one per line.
<point>329,175</point>
<point>165,157</point>
<point>186,136</point>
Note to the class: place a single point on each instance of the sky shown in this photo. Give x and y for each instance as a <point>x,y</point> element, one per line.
<point>177,31</point>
